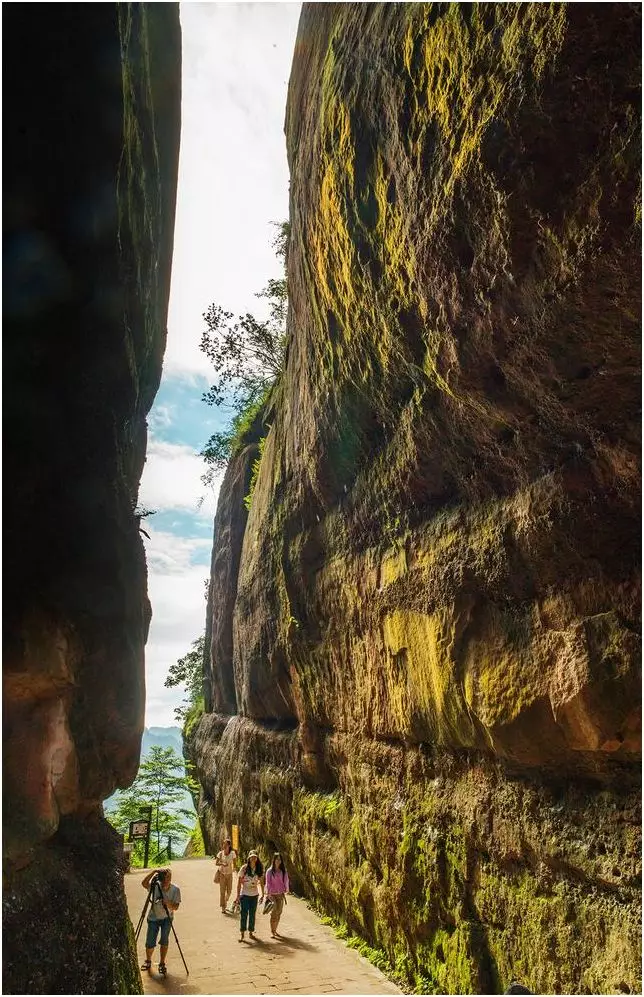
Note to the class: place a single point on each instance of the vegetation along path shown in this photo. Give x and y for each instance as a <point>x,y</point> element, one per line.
<point>307,959</point>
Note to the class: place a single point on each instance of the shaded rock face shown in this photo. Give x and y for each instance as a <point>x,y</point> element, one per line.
<point>76,884</point>
<point>439,580</point>
<point>462,389</point>
<point>90,181</point>
<point>230,524</point>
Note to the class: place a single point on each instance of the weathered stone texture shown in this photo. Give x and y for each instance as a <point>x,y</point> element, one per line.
<point>230,524</point>
<point>440,572</point>
<point>448,504</point>
<point>92,139</point>
<point>465,877</point>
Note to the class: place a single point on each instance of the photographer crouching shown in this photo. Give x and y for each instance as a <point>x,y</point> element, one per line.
<point>165,899</point>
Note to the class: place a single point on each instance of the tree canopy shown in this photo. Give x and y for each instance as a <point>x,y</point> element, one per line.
<point>248,357</point>
<point>161,783</point>
<point>188,671</point>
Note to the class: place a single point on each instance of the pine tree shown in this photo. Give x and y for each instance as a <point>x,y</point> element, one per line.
<point>160,782</point>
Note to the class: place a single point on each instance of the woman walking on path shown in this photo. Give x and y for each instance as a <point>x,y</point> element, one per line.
<point>277,886</point>
<point>225,862</point>
<point>249,882</point>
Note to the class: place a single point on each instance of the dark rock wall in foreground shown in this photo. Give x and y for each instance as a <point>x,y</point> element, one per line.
<point>435,632</point>
<point>91,152</point>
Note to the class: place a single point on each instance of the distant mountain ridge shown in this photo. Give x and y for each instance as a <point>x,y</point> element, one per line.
<point>161,737</point>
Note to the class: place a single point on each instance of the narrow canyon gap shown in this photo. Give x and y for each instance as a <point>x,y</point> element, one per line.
<point>91,143</point>
<point>422,677</point>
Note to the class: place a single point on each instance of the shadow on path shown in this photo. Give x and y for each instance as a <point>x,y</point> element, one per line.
<point>172,984</point>
<point>282,945</point>
<point>306,958</point>
<point>293,943</point>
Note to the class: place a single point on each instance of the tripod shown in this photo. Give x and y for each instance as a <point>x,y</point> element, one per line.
<point>149,900</point>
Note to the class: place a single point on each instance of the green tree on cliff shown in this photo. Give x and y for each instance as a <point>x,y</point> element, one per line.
<point>248,356</point>
<point>188,671</point>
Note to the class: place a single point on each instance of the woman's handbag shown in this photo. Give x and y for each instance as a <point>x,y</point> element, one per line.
<point>217,876</point>
<point>268,906</point>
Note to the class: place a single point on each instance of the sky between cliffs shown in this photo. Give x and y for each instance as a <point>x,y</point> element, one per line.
<point>233,182</point>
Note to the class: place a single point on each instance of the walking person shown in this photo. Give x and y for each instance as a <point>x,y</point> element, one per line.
<point>164,892</point>
<point>225,861</point>
<point>277,886</point>
<point>250,882</point>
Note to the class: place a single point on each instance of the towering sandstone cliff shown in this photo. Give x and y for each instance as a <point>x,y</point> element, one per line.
<point>91,135</point>
<point>424,669</point>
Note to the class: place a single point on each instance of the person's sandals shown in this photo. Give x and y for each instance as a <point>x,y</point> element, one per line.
<point>241,937</point>
<point>147,965</point>
<point>163,969</point>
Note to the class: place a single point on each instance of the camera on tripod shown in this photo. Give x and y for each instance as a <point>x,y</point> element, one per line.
<point>155,897</point>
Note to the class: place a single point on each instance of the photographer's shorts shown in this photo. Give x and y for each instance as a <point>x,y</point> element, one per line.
<point>153,930</point>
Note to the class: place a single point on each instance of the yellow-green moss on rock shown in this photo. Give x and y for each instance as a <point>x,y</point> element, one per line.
<point>438,599</point>
<point>462,876</point>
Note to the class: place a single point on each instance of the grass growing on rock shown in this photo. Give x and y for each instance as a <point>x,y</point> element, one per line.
<point>398,973</point>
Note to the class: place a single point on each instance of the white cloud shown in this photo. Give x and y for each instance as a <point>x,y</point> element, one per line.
<point>179,606</point>
<point>169,554</point>
<point>176,585</point>
<point>172,480</point>
<point>176,588</point>
<point>161,417</point>
<point>233,182</point>
<point>233,173</point>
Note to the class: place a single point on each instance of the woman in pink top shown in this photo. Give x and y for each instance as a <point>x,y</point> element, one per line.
<point>277,886</point>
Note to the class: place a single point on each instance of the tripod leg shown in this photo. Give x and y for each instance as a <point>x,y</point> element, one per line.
<point>179,947</point>
<point>137,930</point>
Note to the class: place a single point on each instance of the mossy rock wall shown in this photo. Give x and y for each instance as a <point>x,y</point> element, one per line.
<point>464,876</point>
<point>92,142</point>
<point>442,542</point>
<point>228,535</point>
<point>439,577</point>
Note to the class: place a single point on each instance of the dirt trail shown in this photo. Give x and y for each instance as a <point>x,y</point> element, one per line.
<point>307,959</point>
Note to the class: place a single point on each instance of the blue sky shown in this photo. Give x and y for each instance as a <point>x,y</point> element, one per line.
<point>233,183</point>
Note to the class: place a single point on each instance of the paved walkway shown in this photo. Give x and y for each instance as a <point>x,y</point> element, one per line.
<point>307,959</point>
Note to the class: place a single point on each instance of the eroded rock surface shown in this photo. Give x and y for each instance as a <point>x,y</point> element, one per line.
<point>230,524</point>
<point>465,877</point>
<point>439,581</point>
<point>92,139</point>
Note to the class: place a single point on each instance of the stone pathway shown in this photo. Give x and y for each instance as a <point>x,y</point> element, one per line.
<point>308,959</point>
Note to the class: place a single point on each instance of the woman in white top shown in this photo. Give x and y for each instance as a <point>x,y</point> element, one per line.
<point>225,862</point>
<point>250,882</point>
